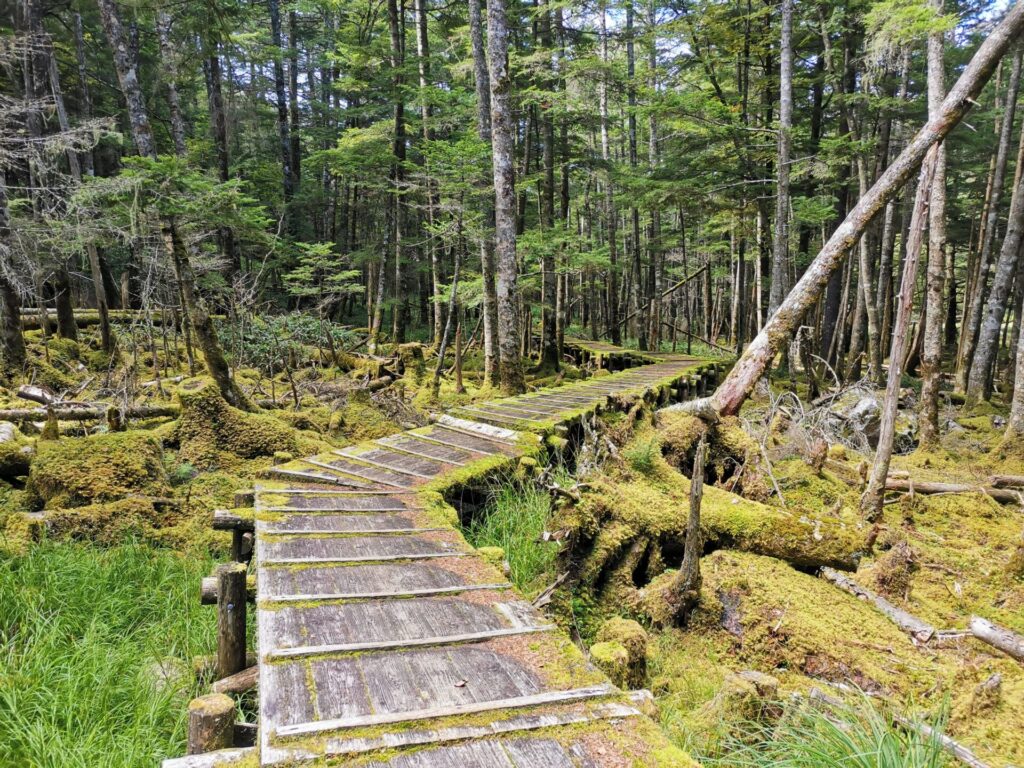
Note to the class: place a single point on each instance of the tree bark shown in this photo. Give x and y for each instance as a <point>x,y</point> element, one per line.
<point>871,501</point>
<point>12,342</point>
<point>732,392</point>
<point>979,383</point>
<point>780,242</point>
<point>972,322</point>
<point>931,351</point>
<point>287,177</point>
<point>503,139</point>
<point>170,65</point>
<point>549,350</point>
<point>609,196</point>
<point>482,82</point>
<point>128,78</point>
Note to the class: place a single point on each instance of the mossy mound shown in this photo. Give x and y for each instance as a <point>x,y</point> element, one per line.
<point>74,472</point>
<point>44,374</point>
<point>109,523</point>
<point>632,639</point>
<point>212,433</point>
<point>757,613</point>
<point>629,527</point>
<point>360,420</point>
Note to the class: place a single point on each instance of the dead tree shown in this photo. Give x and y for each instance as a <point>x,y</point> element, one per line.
<point>686,589</point>
<point>753,363</point>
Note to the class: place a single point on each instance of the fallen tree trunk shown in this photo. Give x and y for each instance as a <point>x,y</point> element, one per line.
<point>918,629</point>
<point>1007,481</point>
<point>622,532</point>
<point>1003,496</point>
<point>1005,640</point>
<point>36,394</point>
<point>87,413</point>
<point>754,362</point>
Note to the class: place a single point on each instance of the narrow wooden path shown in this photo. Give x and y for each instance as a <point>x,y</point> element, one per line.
<point>384,639</point>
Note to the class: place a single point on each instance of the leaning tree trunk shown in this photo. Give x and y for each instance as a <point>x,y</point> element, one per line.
<point>510,364</point>
<point>931,351</point>
<point>973,313</point>
<point>736,387</point>
<point>871,501</point>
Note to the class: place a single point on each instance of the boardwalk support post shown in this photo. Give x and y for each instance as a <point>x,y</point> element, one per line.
<point>211,723</point>
<point>231,605</point>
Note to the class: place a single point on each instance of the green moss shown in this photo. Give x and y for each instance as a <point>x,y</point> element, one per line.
<point>110,523</point>
<point>46,375</point>
<point>361,420</point>
<point>212,433</point>
<point>612,659</point>
<point>493,555</point>
<point>78,471</point>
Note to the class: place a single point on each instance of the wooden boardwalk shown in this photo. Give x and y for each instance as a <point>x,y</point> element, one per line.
<point>384,639</point>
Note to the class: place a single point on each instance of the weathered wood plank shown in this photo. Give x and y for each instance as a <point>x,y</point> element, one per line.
<point>456,438</point>
<point>516,702</point>
<point>330,522</point>
<point>411,443</point>
<point>353,549</point>
<point>501,726</point>
<point>486,431</point>
<point>402,463</point>
<point>349,473</point>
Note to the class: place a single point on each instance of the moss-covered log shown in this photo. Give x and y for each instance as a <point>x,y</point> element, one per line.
<point>629,527</point>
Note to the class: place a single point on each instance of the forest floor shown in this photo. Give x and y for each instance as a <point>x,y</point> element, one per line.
<point>107,641</point>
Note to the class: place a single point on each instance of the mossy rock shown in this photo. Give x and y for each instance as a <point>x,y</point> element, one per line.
<point>74,472</point>
<point>210,431</point>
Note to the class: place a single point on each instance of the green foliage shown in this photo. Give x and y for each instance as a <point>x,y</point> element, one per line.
<point>859,735</point>
<point>95,670</point>
<point>514,519</point>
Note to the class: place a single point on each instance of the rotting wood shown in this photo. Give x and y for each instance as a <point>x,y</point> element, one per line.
<point>88,413</point>
<point>920,630</point>
<point>1007,641</point>
<point>211,721</point>
<point>928,488</point>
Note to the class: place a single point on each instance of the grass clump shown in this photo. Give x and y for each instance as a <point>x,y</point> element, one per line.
<point>95,670</point>
<point>858,735</point>
<point>514,519</point>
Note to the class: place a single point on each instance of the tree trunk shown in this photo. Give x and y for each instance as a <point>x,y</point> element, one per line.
<point>483,127</point>
<point>128,77</point>
<point>609,197</point>
<point>12,343</point>
<point>294,145</point>
<point>780,242</point>
<point>167,58</point>
<point>979,383</point>
<point>972,322</point>
<point>503,137</point>
<point>931,351</point>
<point>549,350</point>
<point>871,502</point>
<point>732,392</point>
<point>287,178</point>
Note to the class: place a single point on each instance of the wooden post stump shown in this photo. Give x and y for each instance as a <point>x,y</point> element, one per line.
<point>211,723</point>
<point>231,604</point>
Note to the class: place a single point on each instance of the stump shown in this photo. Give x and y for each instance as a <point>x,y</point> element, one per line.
<point>211,723</point>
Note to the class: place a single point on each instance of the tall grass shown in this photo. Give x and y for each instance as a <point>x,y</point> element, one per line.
<point>83,631</point>
<point>514,519</point>
<point>860,735</point>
